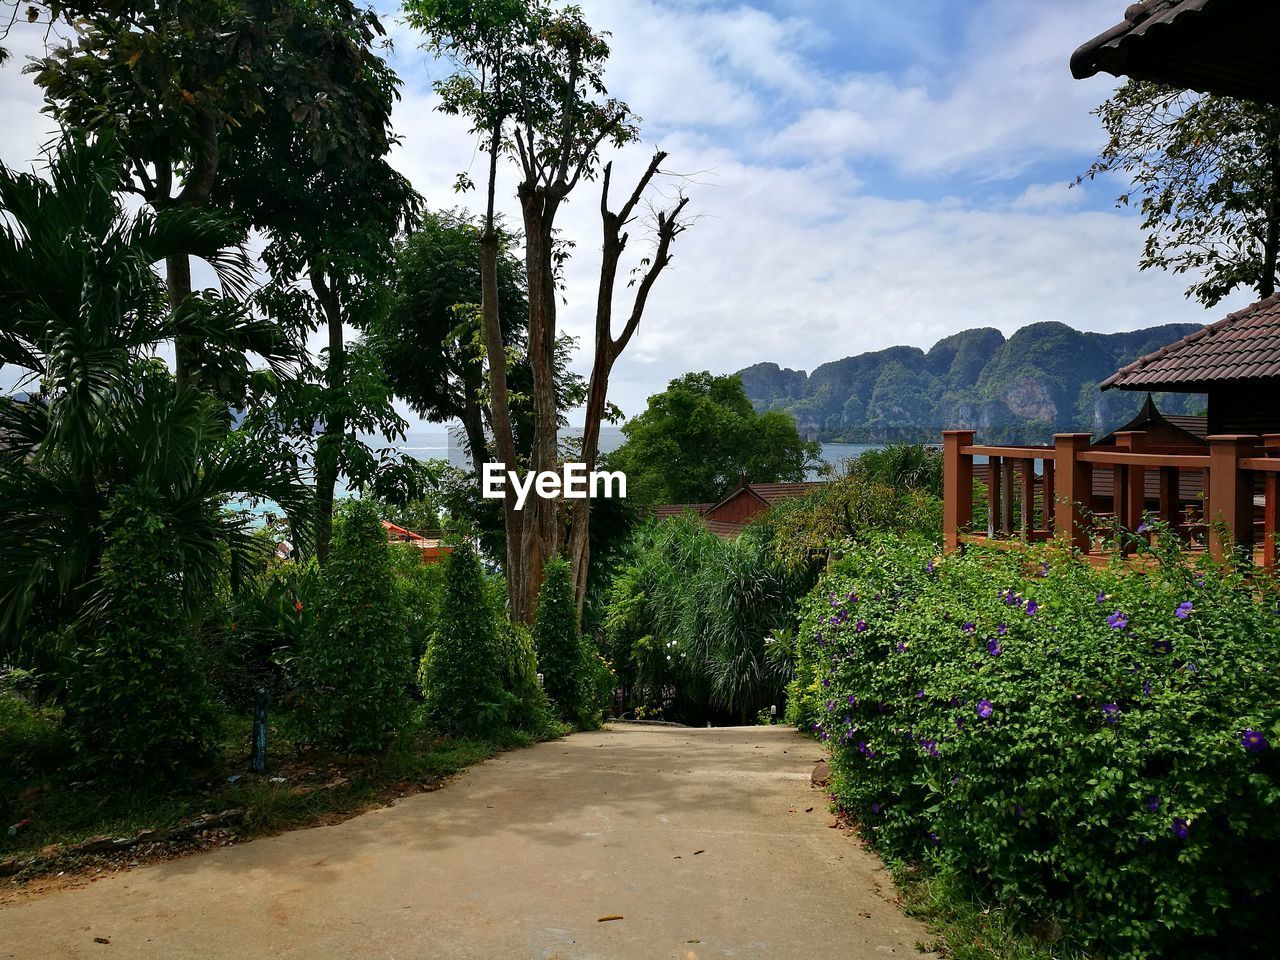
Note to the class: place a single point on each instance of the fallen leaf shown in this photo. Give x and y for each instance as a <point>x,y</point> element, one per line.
<point>808,809</point>
<point>833,824</point>
<point>612,916</point>
<point>101,940</point>
<point>696,852</point>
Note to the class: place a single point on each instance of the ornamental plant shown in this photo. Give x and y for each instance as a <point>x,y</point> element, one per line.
<point>578,681</point>
<point>354,667</point>
<point>1092,747</point>
<point>137,702</point>
<point>461,672</point>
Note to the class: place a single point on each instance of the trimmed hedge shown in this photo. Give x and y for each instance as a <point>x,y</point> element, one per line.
<point>1091,747</point>
<point>137,700</point>
<point>354,667</point>
<point>461,672</point>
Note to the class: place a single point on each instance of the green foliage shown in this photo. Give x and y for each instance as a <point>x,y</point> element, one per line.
<point>461,672</point>
<point>1205,174</point>
<point>700,436</point>
<point>574,673</point>
<point>1092,746</point>
<point>898,488</point>
<point>137,701</point>
<point>354,668</point>
<point>693,620</point>
<point>529,708</point>
<point>420,587</point>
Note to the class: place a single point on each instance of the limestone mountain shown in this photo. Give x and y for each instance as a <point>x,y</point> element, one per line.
<point>1040,381</point>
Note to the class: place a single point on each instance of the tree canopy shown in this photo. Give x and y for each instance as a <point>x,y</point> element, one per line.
<point>1205,174</point>
<point>700,436</point>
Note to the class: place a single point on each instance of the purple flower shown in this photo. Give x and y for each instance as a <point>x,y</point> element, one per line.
<point>1002,629</point>
<point>875,808</point>
<point>826,681</point>
<point>1142,527</point>
<point>1032,607</point>
<point>1180,828</point>
<point>1102,598</point>
<point>993,647</point>
<point>934,839</point>
<point>860,626</point>
<point>1153,804</point>
<point>919,694</point>
<point>1044,569</point>
<point>831,705</point>
<point>985,709</point>
<point>853,597</point>
<point>930,747</point>
<point>1163,646</point>
<point>1184,610</point>
<point>1118,621</point>
<point>834,601</point>
<point>968,627</point>
<point>902,647</point>
<point>853,699</point>
<point>1254,741</point>
<point>1146,687</point>
<point>1112,711</point>
<point>929,567</point>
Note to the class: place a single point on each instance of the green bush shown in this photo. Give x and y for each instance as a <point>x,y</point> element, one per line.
<point>137,700</point>
<point>575,675</point>
<point>529,709</point>
<point>421,589</point>
<point>1092,747</point>
<point>461,672</point>
<point>354,667</point>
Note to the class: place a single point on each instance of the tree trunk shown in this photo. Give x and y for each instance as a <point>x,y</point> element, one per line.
<point>499,402</point>
<point>473,417</point>
<point>335,427</point>
<point>186,349</point>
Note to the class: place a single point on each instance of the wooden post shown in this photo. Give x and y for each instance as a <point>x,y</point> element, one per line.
<point>1169,495</point>
<point>993,497</point>
<point>1028,497</point>
<point>1230,494</point>
<point>1050,495</point>
<point>957,486</point>
<point>1006,484</point>
<point>1131,484</point>
<point>1269,520</point>
<point>1074,481</point>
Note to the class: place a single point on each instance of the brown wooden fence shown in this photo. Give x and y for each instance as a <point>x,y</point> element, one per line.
<point>1222,496</point>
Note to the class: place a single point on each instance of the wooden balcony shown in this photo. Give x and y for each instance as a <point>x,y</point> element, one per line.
<point>1219,497</point>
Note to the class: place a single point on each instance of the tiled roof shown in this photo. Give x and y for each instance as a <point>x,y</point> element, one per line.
<point>1242,347</point>
<point>678,509</point>
<point>1215,46</point>
<point>773,492</point>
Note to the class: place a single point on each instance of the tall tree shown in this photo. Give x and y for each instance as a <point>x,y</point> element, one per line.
<point>609,347</point>
<point>311,171</point>
<point>530,78</point>
<point>430,341</point>
<point>700,436</point>
<point>1205,174</point>
<point>85,313</point>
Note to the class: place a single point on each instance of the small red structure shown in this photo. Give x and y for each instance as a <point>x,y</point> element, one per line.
<point>730,516</point>
<point>432,546</point>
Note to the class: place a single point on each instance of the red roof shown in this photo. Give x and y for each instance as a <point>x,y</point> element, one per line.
<point>1241,347</point>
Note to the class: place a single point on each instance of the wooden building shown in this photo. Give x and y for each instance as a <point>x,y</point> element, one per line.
<point>744,503</point>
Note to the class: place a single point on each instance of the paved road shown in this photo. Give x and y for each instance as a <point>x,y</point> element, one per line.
<point>519,858</point>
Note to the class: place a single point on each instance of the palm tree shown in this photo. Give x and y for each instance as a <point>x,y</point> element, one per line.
<point>84,314</point>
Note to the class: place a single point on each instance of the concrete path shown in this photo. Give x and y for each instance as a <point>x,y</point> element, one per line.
<point>701,841</point>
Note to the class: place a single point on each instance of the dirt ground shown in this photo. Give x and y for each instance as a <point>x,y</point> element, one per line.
<point>633,842</point>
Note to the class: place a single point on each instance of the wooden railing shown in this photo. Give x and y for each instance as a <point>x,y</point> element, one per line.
<point>1225,497</point>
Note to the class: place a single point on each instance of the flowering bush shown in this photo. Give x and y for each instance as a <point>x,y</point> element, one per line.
<point>1092,746</point>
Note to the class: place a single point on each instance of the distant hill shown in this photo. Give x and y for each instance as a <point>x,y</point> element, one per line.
<point>1040,381</point>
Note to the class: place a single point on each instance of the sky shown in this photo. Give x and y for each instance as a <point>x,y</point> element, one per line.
<point>861,174</point>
